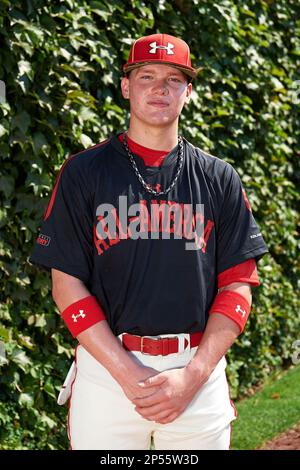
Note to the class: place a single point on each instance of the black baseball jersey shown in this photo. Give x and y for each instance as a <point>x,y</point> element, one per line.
<point>151,261</point>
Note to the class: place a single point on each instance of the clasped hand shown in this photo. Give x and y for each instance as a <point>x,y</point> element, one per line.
<point>170,392</point>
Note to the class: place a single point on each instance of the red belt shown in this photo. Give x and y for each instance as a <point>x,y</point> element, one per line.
<point>158,346</point>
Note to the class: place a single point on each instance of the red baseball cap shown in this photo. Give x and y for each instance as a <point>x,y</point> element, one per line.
<point>161,49</point>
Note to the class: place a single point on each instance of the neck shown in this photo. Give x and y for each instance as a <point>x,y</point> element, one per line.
<point>155,138</point>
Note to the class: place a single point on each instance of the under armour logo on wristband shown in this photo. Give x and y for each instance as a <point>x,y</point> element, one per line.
<point>225,303</point>
<point>168,48</point>
<point>239,309</point>
<point>81,314</point>
<point>94,315</point>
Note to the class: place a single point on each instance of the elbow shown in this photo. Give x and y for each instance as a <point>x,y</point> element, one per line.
<point>55,293</point>
<point>66,289</point>
<point>57,287</point>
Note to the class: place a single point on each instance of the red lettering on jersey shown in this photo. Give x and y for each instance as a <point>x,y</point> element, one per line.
<point>165,222</point>
<point>98,241</point>
<point>207,231</point>
<point>145,220</point>
<point>131,219</point>
<point>175,218</point>
<point>164,217</point>
<point>112,237</point>
<point>188,222</point>
<point>122,232</point>
<point>157,216</point>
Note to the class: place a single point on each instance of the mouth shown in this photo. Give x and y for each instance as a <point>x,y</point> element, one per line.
<point>158,104</point>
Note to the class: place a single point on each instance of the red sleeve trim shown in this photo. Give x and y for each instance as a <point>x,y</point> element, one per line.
<point>243,272</point>
<point>53,195</point>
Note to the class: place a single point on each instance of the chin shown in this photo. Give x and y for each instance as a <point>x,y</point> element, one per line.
<point>159,120</point>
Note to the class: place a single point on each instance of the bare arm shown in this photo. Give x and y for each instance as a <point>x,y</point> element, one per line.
<point>220,333</point>
<point>99,340</point>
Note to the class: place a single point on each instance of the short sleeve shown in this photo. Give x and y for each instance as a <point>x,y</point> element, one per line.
<point>65,238</point>
<point>239,237</point>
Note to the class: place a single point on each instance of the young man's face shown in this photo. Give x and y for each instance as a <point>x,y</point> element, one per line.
<point>157,93</point>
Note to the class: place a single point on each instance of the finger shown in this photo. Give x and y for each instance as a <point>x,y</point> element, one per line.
<point>167,419</point>
<point>150,410</point>
<point>149,400</point>
<point>147,394</point>
<point>152,381</point>
<point>163,415</point>
<point>157,415</point>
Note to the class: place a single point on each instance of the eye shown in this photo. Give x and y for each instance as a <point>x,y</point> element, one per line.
<point>146,76</point>
<point>175,79</point>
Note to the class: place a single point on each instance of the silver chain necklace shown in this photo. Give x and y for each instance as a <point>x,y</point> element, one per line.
<point>141,179</point>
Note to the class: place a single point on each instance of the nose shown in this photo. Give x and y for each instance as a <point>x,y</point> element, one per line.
<point>160,87</point>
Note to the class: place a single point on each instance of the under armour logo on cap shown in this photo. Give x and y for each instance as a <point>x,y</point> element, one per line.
<point>168,47</point>
<point>81,314</point>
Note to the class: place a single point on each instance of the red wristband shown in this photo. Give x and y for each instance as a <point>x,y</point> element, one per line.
<point>82,314</point>
<point>232,305</point>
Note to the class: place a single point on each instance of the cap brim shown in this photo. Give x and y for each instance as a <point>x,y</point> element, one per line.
<point>191,72</point>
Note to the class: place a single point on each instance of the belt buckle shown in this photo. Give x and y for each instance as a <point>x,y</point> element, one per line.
<point>157,338</point>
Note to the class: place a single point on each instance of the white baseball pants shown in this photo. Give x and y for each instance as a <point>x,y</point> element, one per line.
<point>101,417</point>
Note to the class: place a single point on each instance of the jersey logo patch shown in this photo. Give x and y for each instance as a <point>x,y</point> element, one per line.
<point>256,235</point>
<point>43,240</point>
<point>239,309</point>
<point>168,48</point>
<point>80,314</point>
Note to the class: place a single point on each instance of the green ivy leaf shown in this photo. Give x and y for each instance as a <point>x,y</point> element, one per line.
<point>26,400</point>
<point>7,185</point>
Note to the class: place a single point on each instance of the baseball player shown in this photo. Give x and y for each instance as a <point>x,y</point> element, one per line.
<point>152,247</point>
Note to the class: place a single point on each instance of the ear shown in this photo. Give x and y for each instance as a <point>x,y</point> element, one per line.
<point>188,95</point>
<point>125,87</point>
